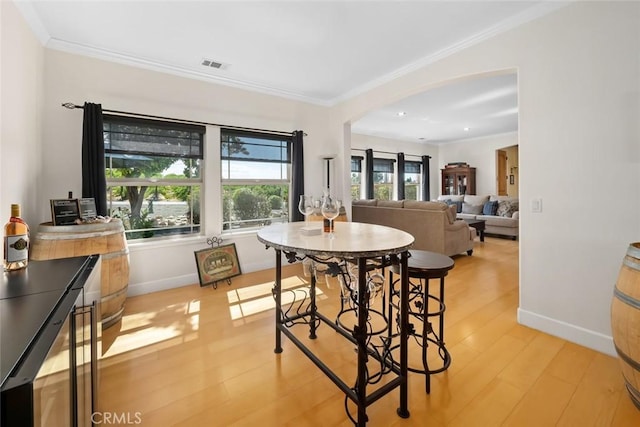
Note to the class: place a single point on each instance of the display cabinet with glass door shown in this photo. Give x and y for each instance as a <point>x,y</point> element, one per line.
<point>458,180</point>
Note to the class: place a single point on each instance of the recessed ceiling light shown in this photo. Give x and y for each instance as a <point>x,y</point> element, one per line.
<point>402,114</point>
<point>467,129</point>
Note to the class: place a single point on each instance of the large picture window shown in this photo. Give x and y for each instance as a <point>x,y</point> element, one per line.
<point>412,180</point>
<point>383,172</point>
<point>153,175</point>
<point>256,171</point>
<point>356,177</point>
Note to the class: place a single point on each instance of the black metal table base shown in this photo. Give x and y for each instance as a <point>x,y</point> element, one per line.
<point>359,335</point>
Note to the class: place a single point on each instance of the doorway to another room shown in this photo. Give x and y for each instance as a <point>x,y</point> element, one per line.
<point>507,171</point>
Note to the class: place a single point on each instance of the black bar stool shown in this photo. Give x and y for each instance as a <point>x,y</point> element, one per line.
<point>423,266</point>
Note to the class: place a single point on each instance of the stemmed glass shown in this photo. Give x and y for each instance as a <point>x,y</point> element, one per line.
<point>305,206</point>
<point>330,210</point>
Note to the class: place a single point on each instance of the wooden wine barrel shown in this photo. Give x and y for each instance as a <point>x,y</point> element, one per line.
<point>625,320</point>
<point>106,239</point>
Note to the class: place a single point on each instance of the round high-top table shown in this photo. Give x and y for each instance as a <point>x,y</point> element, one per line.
<point>355,242</point>
<point>425,265</point>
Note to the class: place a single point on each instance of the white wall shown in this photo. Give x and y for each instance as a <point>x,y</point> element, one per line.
<point>479,153</point>
<point>21,89</point>
<point>73,78</point>
<point>578,76</point>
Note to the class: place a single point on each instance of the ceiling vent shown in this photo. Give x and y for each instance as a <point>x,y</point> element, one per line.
<point>211,63</point>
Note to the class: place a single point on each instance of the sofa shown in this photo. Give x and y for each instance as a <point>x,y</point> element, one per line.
<point>433,224</point>
<point>500,213</point>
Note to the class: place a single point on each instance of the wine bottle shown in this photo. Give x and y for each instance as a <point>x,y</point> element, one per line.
<point>16,241</point>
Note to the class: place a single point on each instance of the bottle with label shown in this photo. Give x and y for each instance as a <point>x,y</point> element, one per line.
<point>16,241</point>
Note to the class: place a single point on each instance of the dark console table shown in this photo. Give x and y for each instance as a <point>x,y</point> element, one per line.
<point>42,316</point>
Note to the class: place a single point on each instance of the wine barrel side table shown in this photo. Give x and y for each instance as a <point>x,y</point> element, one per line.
<point>107,240</point>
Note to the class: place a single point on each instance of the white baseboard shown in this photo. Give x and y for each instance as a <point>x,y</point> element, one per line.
<point>567,331</point>
<point>161,285</point>
<point>186,280</point>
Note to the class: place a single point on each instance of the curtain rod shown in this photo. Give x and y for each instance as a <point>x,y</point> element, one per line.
<point>71,106</point>
<point>388,152</point>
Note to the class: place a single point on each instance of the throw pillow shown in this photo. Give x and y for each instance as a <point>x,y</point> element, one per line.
<point>471,209</point>
<point>506,208</point>
<point>451,214</point>
<point>456,203</point>
<point>490,208</point>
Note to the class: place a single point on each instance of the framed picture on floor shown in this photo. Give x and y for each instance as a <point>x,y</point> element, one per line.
<point>217,263</point>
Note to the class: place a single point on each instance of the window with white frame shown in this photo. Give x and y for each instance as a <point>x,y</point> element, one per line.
<point>383,173</point>
<point>356,177</point>
<point>256,177</point>
<point>153,175</point>
<point>412,179</point>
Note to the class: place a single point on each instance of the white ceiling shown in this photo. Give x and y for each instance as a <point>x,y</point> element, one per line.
<point>316,51</point>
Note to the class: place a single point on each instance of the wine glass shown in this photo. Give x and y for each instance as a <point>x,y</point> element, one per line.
<point>305,206</point>
<point>330,210</point>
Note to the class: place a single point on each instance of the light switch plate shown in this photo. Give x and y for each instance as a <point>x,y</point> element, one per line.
<point>536,205</point>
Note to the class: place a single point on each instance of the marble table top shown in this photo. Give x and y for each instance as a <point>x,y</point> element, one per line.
<point>351,240</point>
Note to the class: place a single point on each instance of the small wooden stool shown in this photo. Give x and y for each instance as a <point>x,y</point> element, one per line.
<point>424,265</point>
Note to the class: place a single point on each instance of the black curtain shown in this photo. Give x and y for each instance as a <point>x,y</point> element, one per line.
<point>400,176</point>
<point>426,181</point>
<point>94,182</point>
<point>368,179</point>
<point>297,172</point>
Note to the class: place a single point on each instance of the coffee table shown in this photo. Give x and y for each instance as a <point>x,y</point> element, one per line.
<point>479,225</point>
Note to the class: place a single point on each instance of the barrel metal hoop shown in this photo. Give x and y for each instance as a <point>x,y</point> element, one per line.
<point>112,255</point>
<point>634,251</point>
<point>633,363</point>
<point>626,298</point>
<point>78,235</point>
<point>633,393</point>
<point>631,264</point>
<point>113,295</point>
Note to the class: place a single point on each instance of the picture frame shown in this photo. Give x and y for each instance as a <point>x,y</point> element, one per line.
<point>87,208</point>
<point>64,211</point>
<point>216,264</point>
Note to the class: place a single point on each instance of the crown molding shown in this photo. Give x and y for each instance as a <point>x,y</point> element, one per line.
<point>103,54</point>
<point>523,17</point>
<point>34,22</point>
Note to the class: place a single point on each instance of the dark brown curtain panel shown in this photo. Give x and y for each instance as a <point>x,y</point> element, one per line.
<point>297,172</point>
<point>400,176</point>
<point>426,181</point>
<point>368,154</point>
<point>94,183</point>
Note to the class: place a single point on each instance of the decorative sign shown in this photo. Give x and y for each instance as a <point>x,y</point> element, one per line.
<point>87,208</point>
<point>217,264</point>
<point>64,211</point>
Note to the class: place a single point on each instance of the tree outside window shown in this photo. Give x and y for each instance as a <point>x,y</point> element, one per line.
<point>255,179</point>
<point>153,175</point>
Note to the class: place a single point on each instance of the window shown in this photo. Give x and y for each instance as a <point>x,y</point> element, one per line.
<point>256,170</point>
<point>412,180</point>
<point>153,175</point>
<point>356,177</point>
<point>383,172</point>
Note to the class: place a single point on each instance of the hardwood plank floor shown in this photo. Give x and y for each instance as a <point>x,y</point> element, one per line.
<point>196,356</point>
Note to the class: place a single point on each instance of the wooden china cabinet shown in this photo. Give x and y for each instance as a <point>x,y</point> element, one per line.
<point>458,179</point>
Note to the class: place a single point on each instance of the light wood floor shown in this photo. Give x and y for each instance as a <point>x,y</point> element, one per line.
<point>202,357</point>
